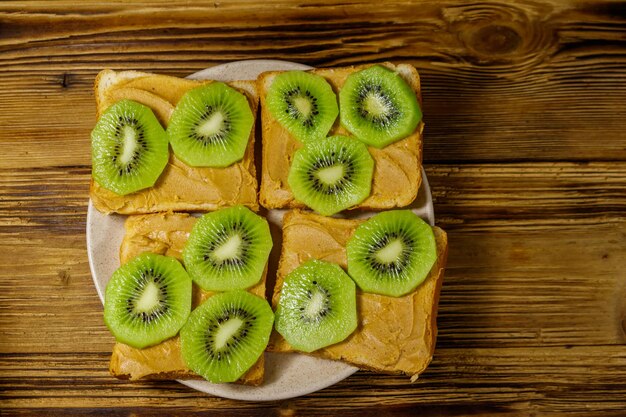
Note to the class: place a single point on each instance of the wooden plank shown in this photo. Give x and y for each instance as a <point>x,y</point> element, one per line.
<point>533,194</point>
<point>51,200</point>
<point>501,81</point>
<point>519,381</point>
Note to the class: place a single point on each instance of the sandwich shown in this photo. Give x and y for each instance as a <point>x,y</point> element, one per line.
<point>166,234</point>
<point>393,334</point>
<point>180,186</point>
<point>397,166</point>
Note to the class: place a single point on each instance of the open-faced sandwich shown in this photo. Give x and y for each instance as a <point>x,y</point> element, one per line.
<point>209,127</point>
<point>396,261</point>
<point>180,237</point>
<point>378,104</point>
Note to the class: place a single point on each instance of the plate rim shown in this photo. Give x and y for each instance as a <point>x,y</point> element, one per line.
<point>246,393</point>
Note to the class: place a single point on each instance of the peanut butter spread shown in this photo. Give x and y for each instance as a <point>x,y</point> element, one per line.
<point>397,173</point>
<point>394,335</point>
<point>165,234</point>
<point>180,187</point>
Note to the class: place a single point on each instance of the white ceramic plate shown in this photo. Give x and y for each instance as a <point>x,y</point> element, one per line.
<point>286,375</point>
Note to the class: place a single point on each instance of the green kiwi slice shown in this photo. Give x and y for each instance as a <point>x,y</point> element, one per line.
<point>210,126</point>
<point>147,300</point>
<point>226,335</point>
<point>317,306</point>
<point>331,174</point>
<point>303,103</point>
<point>378,106</point>
<point>129,148</point>
<point>228,249</point>
<point>391,253</point>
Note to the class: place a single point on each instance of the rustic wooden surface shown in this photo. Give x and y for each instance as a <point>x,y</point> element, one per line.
<point>525,110</point>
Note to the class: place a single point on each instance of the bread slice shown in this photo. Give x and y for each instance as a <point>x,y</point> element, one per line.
<point>180,187</point>
<point>394,335</point>
<point>165,234</point>
<point>397,170</point>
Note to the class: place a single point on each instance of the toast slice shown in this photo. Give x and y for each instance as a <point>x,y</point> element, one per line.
<point>394,335</point>
<point>165,234</point>
<point>180,187</point>
<point>397,169</point>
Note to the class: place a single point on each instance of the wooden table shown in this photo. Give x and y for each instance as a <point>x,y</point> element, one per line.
<point>525,110</point>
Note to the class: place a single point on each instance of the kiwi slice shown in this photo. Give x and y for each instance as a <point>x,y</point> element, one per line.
<point>331,174</point>
<point>378,106</point>
<point>317,306</point>
<point>228,249</point>
<point>391,253</point>
<point>226,335</point>
<point>128,148</point>
<point>303,103</point>
<point>147,300</point>
<point>210,126</point>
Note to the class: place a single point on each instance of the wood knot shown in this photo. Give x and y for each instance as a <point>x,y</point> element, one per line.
<point>495,40</point>
<point>65,80</point>
<point>503,33</point>
<point>286,412</point>
<point>64,276</point>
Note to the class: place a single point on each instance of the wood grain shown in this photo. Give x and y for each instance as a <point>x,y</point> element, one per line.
<point>525,109</point>
<point>459,377</point>
<point>492,348</point>
<point>516,82</point>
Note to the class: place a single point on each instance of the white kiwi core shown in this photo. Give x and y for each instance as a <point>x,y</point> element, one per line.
<point>303,105</point>
<point>149,299</point>
<point>315,305</point>
<point>331,175</point>
<point>229,249</point>
<point>391,252</point>
<point>226,331</point>
<point>212,125</point>
<point>375,105</point>
<point>129,145</point>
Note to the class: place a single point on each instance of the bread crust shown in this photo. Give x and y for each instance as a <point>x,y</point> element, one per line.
<point>397,170</point>
<point>395,335</point>
<point>180,187</point>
